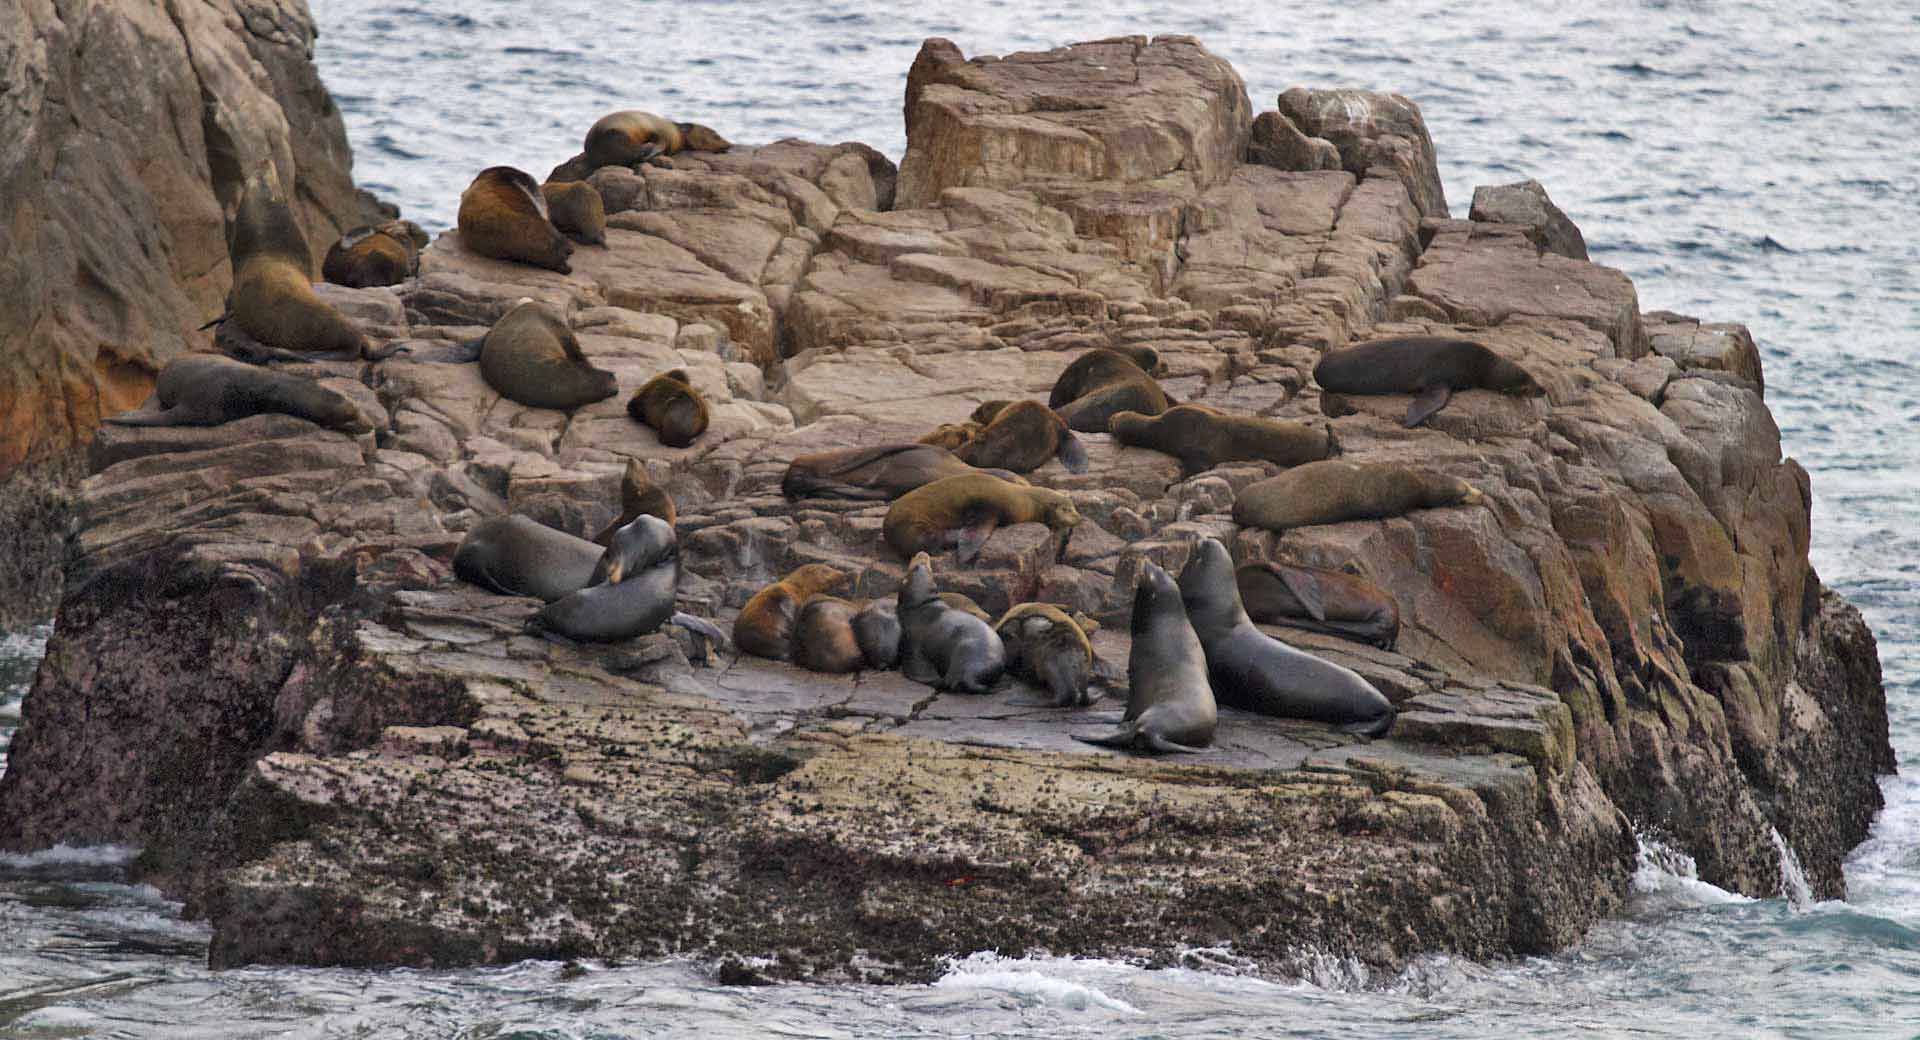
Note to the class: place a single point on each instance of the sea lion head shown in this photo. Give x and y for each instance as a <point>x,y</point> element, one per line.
<point>986,412</point>
<point>1146,359</point>
<point>1058,509</point>
<point>817,577</point>
<point>335,412</point>
<point>1509,378</point>
<point>702,138</point>
<point>1207,586</point>
<point>1128,426</point>
<point>918,588</point>
<point>640,546</point>
<point>1154,593</point>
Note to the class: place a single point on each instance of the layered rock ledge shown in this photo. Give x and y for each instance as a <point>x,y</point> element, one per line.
<point>265,673</point>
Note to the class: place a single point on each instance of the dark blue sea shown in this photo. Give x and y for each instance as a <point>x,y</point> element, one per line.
<point>1749,162</point>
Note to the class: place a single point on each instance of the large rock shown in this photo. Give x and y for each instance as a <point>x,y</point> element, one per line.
<point>1370,129</point>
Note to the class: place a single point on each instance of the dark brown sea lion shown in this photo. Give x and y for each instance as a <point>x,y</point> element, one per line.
<point>639,496</point>
<point>965,510</point>
<point>531,356</point>
<point>207,390</point>
<point>1170,703</point>
<point>945,648</point>
<point>518,556</point>
<point>1319,600</point>
<point>576,209</point>
<point>272,300</point>
<point>1333,490</point>
<point>504,216</point>
<point>765,625</point>
<point>1429,367</point>
<point>625,138</point>
<point>878,474</point>
<point>1047,648</point>
<point>672,407</point>
<point>1105,381</point>
<point>377,254</point>
<point>823,637</point>
<point>1022,436</point>
<point>1202,438</point>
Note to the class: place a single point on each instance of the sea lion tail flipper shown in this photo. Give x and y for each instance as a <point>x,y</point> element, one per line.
<point>1305,588</point>
<point>1430,400</point>
<point>1122,737</point>
<point>143,417</point>
<point>973,537</point>
<point>1374,727</point>
<point>1073,454</point>
<point>1162,744</point>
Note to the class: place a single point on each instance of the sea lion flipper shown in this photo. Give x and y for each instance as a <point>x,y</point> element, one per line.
<point>1122,737</point>
<point>143,417</point>
<point>973,537</point>
<point>1305,587</point>
<point>1429,401</point>
<point>1162,744</point>
<point>706,636</point>
<point>383,353</point>
<point>1073,454</point>
<point>1374,727</point>
<point>916,667</point>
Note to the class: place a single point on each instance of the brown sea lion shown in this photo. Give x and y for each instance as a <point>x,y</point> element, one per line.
<point>272,300</point>
<point>1319,600</point>
<point>1105,381</point>
<point>954,437</point>
<point>1333,490</point>
<point>945,648</point>
<point>1429,367</point>
<point>1170,704</point>
<point>626,138</point>
<point>765,625</point>
<point>1022,436</point>
<point>639,496</point>
<point>1047,648</point>
<point>672,407</point>
<point>377,254</point>
<point>880,473</point>
<point>576,209</point>
<point>531,356</point>
<point>823,637</point>
<point>208,390</point>
<point>964,511</point>
<point>1202,438</point>
<point>504,216</point>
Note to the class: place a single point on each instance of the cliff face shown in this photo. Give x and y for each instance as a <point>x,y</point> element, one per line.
<point>128,130</point>
<point>265,673</point>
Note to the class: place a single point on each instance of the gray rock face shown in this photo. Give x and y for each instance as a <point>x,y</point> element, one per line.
<point>1526,204</point>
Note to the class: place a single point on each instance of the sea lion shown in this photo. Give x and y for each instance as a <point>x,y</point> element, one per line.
<point>1046,648</point>
<point>639,496</point>
<point>824,639</point>
<point>208,389</point>
<point>1170,703</point>
<point>1202,438</point>
<point>531,356</point>
<point>1107,380</point>
<point>576,209</point>
<point>955,437</point>
<point>272,300</point>
<point>1429,367</point>
<point>1255,671</point>
<point>877,629</point>
<point>629,137</point>
<point>631,593</point>
<point>1022,436</point>
<point>941,646</point>
<point>1319,600</point>
<point>504,216</point>
<point>880,473</point>
<point>1333,490</point>
<point>766,624</point>
<point>672,407</point>
<point>375,255</point>
<point>518,556</point>
<point>964,511</point>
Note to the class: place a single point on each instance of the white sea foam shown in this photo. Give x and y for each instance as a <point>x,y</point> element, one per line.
<point>1043,980</point>
<point>1668,877</point>
<point>69,856</point>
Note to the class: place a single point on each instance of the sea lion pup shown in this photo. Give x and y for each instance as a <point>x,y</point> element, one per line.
<point>765,625</point>
<point>1046,648</point>
<point>374,255</point>
<point>964,510</point>
<point>576,209</point>
<point>518,556</point>
<point>208,389</point>
<point>1429,367</point>
<point>272,300</point>
<point>877,629</point>
<point>626,138</point>
<point>824,639</point>
<point>532,356</point>
<point>631,593</point>
<point>1333,490</point>
<point>1255,671</point>
<point>504,216</point>
<point>1319,600</point>
<point>639,496</point>
<point>1107,380</point>
<point>878,474</point>
<point>1202,438</point>
<point>672,407</point>
<point>1022,436</point>
<point>955,437</point>
<point>1169,700</point>
<point>941,646</point>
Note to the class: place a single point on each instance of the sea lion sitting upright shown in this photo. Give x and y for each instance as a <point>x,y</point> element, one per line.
<point>1255,671</point>
<point>272,300</point>
<point>1170,703</point>
<point>1429,367</point>
<point>208,390</point>
<point>965,510</point>
<point>504,216</point>
<point>880,473</point>
<point>824,639</point>
<point>1202,438</point>
<point>1319,600</point>
<point>1334,490</point>
<point>631,592</point>
<point>531,356</point>
<point>575,207</point>
<point>1105,381</point>
<point>1047,648</point>
<point>941,646</point>
<point>632,136</point>
<point>518,556</point>
<point>672,407</point>
<point>765,625</point>
<point>374,255</point>
<point>1022,436</point>
<point>639,496</point>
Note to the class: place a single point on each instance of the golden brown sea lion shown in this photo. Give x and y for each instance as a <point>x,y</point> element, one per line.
<point>964,511</point>
<point>878,474</point>
<point>1021,436</point>
<point>504,216</point>
<point>1047,648</point>
<point>625,138</point>
<point>1105,381</point>
<point>823,637</point>
<point>1202,438</point>
<point>576,209</point>
<point>272,300</point>
<point>639,496</point>
<point>531,356</point>
<point>765,625</point>
<point>1330,491</point>
<point>1319,600</point>
<point>669,403</point>
<point>1429,367</point>
<point>208,390</point>
<point>954,437</point>
<point>377,254</point>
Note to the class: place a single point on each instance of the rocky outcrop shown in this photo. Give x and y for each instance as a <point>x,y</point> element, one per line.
<point>130,128</point>
<point>265,673</point>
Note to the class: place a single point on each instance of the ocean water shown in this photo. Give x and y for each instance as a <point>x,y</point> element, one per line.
<point>1741,161</point>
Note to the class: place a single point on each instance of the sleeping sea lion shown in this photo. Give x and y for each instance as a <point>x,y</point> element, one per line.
<point>532,356</point>
<point>880,473</point>
<point>945,648</point>
<point>639,496</point>
<point>1022,436</point>
<point>504,216</point>
<point>518,556</point>
<point>631,593</point>
<point>1047,648</point>
<point>765,625</point>
<point>208,389</point>
<point>1170,703</point>
<point>1429,367</point>
<point>1105,381</point>
<point>1333,490</point>
<point>272,300</point>
<point>877,629</point>
<point>964,511</point>
<point>1202,438</point>
<point>672,407</point>
<point>954,437</point>
<point>626,138</point>
<point>1319,600</point>
<point>374,255</point>
<point>1255,671</point>
<point>576,209</point>
<point>823,637</point>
